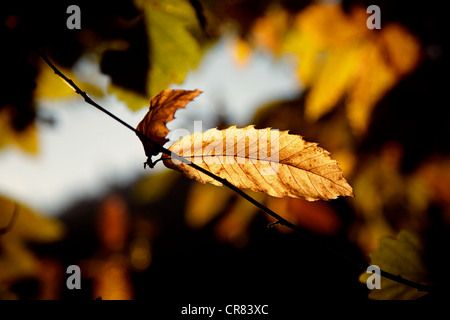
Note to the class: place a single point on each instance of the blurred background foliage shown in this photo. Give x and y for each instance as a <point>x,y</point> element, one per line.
<point>376,99</point>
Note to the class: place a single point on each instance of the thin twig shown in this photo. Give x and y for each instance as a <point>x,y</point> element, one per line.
<point>279,220</point>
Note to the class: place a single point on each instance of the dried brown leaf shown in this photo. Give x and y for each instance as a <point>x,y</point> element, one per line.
<point>162,110</point>
<point>270,161</point>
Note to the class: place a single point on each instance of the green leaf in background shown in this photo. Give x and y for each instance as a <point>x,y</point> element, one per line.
<point>174,33</point>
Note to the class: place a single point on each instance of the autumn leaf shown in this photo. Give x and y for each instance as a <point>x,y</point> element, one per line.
<point>162,110</point>
<point>402,256</point>
<point>276,163</point>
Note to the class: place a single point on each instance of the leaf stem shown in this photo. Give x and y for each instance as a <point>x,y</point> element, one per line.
<point>279,219</point>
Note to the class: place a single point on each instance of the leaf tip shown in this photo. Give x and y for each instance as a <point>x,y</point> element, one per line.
<point>193,93</point>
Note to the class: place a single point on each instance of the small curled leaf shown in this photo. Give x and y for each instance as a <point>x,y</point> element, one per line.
<point>162,110</point>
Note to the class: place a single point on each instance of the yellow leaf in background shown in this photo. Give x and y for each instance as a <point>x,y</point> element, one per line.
<point>339,57</point>
<point>134,100</point>
<point>241,51</point>
<point>233,227</point>
<point>304,47</point>
<point>337,73</point>
<point>152,187</point>
<point>26,140</point>
<point>347,161</point>
<point>383,191</point>
<point>276,163</point>
<point>29,226</point>
<point>48,85</point>
<point>326,42</point>
<point>330,26</point>
<point>369,86</point>
<point>204,202</point>
<point>402,256</point>
<point>16,260</point>
<point>269,30</point>
<point>394,53</point>
<point>401,48</point>
<point>207,202</point>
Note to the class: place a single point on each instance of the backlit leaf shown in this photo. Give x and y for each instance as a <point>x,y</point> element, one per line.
<point>162,110</point>
<point>276,163</point>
